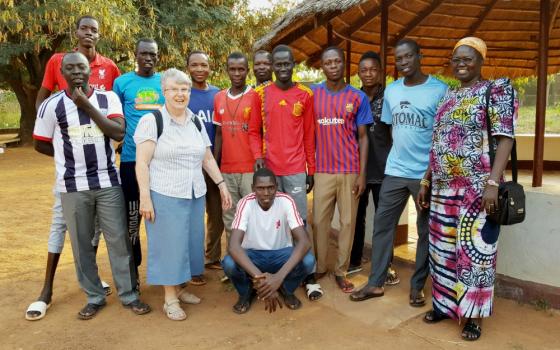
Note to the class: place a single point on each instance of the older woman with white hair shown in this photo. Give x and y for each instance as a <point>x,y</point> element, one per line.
<point>171,151</point>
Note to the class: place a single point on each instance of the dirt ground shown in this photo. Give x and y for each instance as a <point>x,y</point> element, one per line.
<point>26,180</point>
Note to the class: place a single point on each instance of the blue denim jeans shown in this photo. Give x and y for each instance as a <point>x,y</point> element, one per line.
<point>268,261</point>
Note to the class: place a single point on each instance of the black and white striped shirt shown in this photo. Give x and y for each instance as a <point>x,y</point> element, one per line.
<point>84,156</point>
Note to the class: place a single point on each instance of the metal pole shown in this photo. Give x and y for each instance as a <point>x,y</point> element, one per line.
<point>384,35</point>
<point>348,60</point>
<point>541,93</point>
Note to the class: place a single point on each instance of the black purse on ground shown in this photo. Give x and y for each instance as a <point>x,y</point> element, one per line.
<point>511,196</point>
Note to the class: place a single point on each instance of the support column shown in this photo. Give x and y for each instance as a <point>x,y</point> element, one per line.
<point>384,35</point>
<point>348,60</point>
<point>541,93</point>
<point>329,34</point>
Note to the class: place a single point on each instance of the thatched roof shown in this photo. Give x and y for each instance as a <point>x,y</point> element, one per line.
<point>509,27</point>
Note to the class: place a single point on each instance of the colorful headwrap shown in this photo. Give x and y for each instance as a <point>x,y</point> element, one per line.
<point>474,42</point>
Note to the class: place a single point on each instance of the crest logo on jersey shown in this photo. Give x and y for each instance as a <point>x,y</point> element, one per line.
<point>221,111</point>
<point>298,109</point>
<point>102,74</point>
<point>349,107</point>
<point>283,103</point>
<point>246,113</point>
<point>277,224</point>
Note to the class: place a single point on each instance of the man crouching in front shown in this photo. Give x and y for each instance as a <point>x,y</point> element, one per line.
<point>263,260</point>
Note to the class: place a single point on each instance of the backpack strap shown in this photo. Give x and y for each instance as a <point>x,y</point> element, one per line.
<point>159,122</point>
<point>197,122</point>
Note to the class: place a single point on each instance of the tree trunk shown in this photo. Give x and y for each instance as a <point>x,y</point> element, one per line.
<point>26,97</point>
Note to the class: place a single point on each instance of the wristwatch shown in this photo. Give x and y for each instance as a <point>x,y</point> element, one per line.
<point>491,182</point>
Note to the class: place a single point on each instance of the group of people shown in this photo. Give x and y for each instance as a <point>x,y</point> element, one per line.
<point>248,157</point>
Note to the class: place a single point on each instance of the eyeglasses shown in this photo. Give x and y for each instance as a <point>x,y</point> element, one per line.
<point>175,91</point>
<point>459,60</point>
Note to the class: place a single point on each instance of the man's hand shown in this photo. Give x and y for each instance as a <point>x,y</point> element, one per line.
<point>267,284</point>
<point>259,163</point>
<point>359,186</point>
<point>309,181</point>
<point>271,302</point>
<point>80,98</point>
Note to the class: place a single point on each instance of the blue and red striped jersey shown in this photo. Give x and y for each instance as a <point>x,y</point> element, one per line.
<point>337,117</point>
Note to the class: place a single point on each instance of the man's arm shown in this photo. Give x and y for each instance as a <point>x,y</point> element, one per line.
<point>309,135</point>
<point>255,129</point>
<point>272,282</point>
<point>42,95</point>
<point>218,144</point>
<point>112,127</point>
<point>238,253</point>
<point>360,183</point>
<point>44,147</point>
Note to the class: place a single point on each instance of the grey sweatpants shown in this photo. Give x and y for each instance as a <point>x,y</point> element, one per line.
<point>79,209</point>
<point>393,197</point>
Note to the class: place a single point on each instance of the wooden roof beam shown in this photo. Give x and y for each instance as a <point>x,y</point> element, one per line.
<point>481,18</point>
<point>362,21</point>
<point>310,25</point>
<point>416,21</point>
<point>555,7</point>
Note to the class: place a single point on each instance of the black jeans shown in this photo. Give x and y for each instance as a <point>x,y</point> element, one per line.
<point>360,230</point>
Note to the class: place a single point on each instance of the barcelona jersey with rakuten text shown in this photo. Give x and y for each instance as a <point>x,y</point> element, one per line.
<point>338,115</point>
<point>282,129</point>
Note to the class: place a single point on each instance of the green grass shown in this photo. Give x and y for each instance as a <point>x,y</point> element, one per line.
<point>9,110</point>
<point>9,116</point>
<point>526,120</point>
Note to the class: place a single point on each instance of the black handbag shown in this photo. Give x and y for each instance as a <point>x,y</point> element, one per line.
<point>511,196</point>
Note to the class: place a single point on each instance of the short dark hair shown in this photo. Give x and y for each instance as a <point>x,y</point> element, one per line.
<point>236,55</point>
<point>263,52</point>
<point>263,172</point>
<point>196,52</point>
<point>412,43</point>
<point>145,40</point>
<point>334,48</point>
<point>72,53</point>
<point>79,20</point>
<point>370,55</point>
<point>283,48</point>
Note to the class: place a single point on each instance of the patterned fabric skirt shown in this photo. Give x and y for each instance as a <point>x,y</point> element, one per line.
<point>462,254</point>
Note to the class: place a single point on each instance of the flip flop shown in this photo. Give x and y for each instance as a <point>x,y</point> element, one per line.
<point>38,306</point>
<point>361,295</point>
<point>214,266</point>
<point>89,311</point>
<point>345,285</point>
<point>313,291</point>
<point>291,301</point>
<point>197,281</point>
<point>417,298</point>
<point>434,316</point>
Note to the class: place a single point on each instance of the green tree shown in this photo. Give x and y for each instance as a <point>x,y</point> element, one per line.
<point>32,30</point>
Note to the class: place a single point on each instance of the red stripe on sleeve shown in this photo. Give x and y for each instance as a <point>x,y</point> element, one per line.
<point>42,138</point>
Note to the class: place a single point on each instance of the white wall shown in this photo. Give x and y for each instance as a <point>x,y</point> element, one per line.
<point>530,251</point>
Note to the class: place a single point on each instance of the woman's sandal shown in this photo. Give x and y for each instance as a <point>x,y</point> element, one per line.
<point>434,316</point>
<point>471,331</point>
<point>197,280</point>
<point>173,310</point>
<point>188,298</point>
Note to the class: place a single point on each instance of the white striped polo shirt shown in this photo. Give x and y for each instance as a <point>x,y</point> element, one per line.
<point>84,156</point>
<point>176,165</point>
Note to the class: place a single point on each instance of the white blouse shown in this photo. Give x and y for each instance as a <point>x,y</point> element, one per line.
<point>176,166</point>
